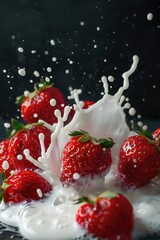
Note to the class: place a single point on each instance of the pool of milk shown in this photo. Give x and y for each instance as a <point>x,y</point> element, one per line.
<point>54,216</point>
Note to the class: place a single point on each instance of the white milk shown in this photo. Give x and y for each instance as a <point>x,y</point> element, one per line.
<point>54,217</point>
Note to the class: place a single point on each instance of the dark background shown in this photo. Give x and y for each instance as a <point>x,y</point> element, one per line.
<point>124,31</point>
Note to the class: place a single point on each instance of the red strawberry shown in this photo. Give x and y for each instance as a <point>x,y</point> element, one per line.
<point>86,156</point>
<point>42,103</point>
<point>109,216</point>
<point>25,186</point>
<point>139,160</point>
<point>26,137</point>
<point>87,104</point>
<point>156,136</point>
<point>3,153</point>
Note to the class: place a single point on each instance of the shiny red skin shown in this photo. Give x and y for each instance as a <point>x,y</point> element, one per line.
<point>139,161</point>
<point>3,153</point>
<point>156,136</point>
<point>27,139</point>
<point>40,104</point>
<point>84,158</point>
<point>87,104</point>
<point>23,187</point>
<point>109,218</point>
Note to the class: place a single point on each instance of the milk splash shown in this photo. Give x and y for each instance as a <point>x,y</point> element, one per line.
<point>54,217</point>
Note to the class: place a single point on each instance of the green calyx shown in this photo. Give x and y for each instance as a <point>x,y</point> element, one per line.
<point>84,199</point>
<point>147,135</point>
<point>17,127</point>
<point>84,137</point>
<point>38,87</point>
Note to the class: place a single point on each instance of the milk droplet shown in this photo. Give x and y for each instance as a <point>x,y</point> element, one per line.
<point>5,165</point>
<point>46,52</point>
<point>67,71</point>
<point>76,176</point>
<point>33,51</point>
<point>53,102</point>
<point>52,42</point>
<point>98,28</point>
<point>36,73</point>
<point>110,78</point>
<point>35,115</point>
<point>82,23</point>
<point>49,69</point>
<point>47,79</point>
<point>145,127</point>
<point>140,124</point>
<point>132,111</point>
<point>19,157</point>
<point>54,59</point>
<point>7,125</point>
<point>39,192</point>
<point>22,72</point>
<point>26,93</point>
<point>150,16</point>
<point>20,49</point>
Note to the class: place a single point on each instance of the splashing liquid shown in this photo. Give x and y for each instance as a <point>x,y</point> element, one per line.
<point>54,217</point>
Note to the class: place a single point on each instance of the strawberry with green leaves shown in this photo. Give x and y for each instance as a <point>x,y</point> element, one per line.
<point>24,186</point>
<point>84,155</point>
<point>109,216</point>
<point>139,160</point>
<point>26,137</point>
<point>42,103</point>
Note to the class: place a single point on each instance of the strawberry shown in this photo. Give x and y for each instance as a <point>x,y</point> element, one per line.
<point>26,137</point>
<point>3,153</point>
<point>24,186</point>
<point>87,104</point>
<point>156,136</point>
<point>42,103</point>
<point>85,155</point>
<point>139,160</point>
<point>109,216</point>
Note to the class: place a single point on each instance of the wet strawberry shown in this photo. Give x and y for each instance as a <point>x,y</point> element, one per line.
<point>87,104</point>
<point>42,103</point>
<point>109,216</point>
<point>3,153</point>
<point>85,156</point>
<point>26,137</point>
<point>139,160</point>
<point>24,186</point>
<point>156,136</point>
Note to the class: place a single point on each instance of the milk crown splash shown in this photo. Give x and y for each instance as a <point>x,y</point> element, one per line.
<point>105,118</point>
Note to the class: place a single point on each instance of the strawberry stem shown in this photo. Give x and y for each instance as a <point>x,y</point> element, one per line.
<point>84,199</point>
<point>85,137</point>
<point>37,88</point>
<point>147,135</point>
<point>17,127</point>
<point>42,85</point>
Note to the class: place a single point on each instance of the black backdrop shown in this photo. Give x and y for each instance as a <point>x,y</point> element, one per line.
<point>99,36</point>
<point>124,31</point>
